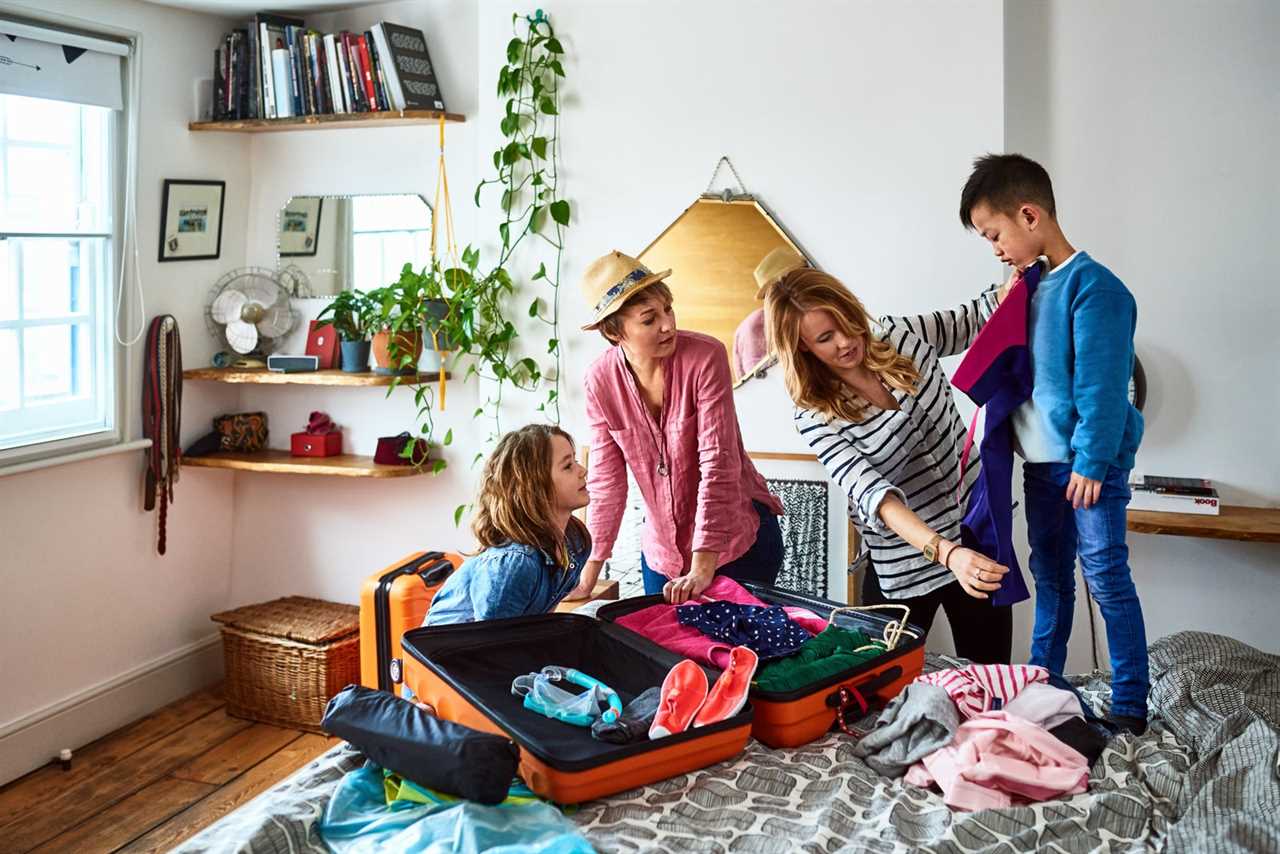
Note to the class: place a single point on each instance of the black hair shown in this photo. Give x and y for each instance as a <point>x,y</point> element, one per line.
<point>1005,181</point>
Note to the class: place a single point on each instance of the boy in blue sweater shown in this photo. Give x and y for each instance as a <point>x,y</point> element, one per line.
<point>1078,433</point>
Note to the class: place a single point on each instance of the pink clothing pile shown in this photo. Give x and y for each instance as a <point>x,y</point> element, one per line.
<point>996,760</point>
<point>658,623</point>
<point>977,688</point>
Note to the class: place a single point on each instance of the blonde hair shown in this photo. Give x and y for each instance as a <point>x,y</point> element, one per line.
<point>516,495</point>
<point>811,384</point>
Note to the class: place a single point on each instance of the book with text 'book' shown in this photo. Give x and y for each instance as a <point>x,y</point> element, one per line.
<point>411,78</point>
<point>1175,495</point>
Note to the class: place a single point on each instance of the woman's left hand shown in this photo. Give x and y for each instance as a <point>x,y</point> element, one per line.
<point>680,590</point>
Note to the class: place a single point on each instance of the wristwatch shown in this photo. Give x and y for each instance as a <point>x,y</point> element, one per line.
<point>930,550</point>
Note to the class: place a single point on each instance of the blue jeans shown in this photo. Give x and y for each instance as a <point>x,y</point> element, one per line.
<point>761,563</point>
<point>1057,533</point>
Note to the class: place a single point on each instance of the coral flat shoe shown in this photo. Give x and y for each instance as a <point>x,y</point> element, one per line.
<point>683,692</point>
<point>729,694</point>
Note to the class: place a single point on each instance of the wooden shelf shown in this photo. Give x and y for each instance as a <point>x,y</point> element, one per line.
<point>386,118</point>
<point>1251,524</point>
<point>329,377</point>
<point>281,462</point>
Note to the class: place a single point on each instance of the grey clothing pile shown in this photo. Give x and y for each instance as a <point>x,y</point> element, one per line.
<point>915,723</point>
<point>634,723</point>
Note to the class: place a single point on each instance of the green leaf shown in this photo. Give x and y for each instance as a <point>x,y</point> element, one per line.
<point>515,47</point>
<point>539,145</point>
<point>507,199</point>
<point>497,160</point>
<point>448,437</point>
<point>457,514</point>
<point>533,307</point>
<point>537,217</point>
<point>560,211</point>
<point>554,46</point>
<point>542,272</point>
<point>504,229</point>
<point>556,67</point>
<point>552,345</point>
<point>479,411</point>
<point>477,458</point>
<point>508,127</point>
<point>548,106</point>
<point>438,466</point>
<point>479,187</point>
<point>510,154</point>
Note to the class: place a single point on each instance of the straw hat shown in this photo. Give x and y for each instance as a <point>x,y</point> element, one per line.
<point>611,280</point>
<point>775,265</point>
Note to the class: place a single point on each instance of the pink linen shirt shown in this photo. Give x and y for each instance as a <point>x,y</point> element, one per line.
<point>694,475</point>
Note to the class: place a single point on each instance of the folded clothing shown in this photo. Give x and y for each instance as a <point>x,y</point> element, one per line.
<point>434,753</point>
<point>634,724</point>
<point>832,651</point>
<point>917,722</point>
<point>1045,705</point>
<point>996,759</point>
<point>983,687</point>
<point>766,630</point>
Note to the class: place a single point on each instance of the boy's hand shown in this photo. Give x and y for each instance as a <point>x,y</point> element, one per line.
<point>1082,491</point>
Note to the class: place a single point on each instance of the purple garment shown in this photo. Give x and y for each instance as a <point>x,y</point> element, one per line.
<point>996,374</point>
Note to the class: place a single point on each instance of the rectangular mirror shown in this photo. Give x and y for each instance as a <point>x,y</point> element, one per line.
<point>335,243</point>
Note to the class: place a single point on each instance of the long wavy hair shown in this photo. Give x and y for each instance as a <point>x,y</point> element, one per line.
<point>516,500</point>
<point>811,384</point>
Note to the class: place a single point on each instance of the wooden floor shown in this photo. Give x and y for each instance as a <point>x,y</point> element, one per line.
<point>154,783</point>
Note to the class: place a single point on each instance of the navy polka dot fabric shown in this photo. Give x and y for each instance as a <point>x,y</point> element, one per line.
<point>768,631</point>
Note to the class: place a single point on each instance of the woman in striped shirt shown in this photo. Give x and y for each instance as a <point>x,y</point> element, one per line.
<point>877,409</point>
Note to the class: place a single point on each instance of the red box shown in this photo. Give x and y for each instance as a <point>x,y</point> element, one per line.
<point>309,445</point>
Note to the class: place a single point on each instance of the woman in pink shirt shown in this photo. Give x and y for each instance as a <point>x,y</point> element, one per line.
<point>660,402</point>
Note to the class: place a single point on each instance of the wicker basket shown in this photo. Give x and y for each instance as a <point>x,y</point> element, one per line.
<point>286,658</point>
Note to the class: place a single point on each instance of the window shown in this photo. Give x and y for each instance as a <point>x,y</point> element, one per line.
<point>387,231</point>
<point>57,371</point>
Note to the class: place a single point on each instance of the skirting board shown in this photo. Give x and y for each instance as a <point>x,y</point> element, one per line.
<point>35,739</point>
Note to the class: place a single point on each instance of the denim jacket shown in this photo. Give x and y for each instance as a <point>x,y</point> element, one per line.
<point>511,580</point>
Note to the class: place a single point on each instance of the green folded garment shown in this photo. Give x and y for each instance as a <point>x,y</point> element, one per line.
<point>820,657</point>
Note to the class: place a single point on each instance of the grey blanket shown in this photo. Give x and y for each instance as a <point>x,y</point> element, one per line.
<point>1203,779</point>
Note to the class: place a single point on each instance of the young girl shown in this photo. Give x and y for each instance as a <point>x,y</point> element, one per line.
<point>877,410</point>
<point>533,549</point>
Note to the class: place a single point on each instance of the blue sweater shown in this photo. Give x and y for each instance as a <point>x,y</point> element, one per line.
<point>1082,323</point>
<point>511,580</point>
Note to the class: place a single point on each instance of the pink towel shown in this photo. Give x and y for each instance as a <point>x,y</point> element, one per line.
<point>996,760</point>
<point>976,688</point>
<point>658,623</point>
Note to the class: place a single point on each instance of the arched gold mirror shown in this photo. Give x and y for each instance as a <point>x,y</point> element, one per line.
<point>713,249</point>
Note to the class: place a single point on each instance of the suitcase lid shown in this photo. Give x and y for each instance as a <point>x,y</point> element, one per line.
<point>869,622</point>
<point>478,660</point>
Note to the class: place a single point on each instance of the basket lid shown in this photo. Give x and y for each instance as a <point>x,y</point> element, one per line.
<point>295,618</point>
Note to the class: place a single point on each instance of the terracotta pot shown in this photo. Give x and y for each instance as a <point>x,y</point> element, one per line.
<point>407,342</point>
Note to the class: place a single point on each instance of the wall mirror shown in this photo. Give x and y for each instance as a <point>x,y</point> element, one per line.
<point>360,242</point>
<point>713,248</point>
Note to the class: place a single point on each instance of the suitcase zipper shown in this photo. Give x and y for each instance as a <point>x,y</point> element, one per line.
<point>382,606</point>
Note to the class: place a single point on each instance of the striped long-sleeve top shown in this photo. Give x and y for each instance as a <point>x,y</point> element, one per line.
<point>912,452</point>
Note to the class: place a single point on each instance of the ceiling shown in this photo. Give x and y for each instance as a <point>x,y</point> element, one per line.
<point>247,8</point>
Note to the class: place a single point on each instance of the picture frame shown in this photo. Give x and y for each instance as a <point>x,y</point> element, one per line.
<point>299,226</point>
<point>191,219</point>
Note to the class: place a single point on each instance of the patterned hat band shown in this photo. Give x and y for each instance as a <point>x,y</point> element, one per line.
<point>627,285</point>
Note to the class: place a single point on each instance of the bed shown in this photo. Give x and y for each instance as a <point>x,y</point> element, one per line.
<point>1204,778</point>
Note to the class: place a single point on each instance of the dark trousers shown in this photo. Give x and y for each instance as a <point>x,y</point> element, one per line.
<point>761,563</point>
<point>983,633</point>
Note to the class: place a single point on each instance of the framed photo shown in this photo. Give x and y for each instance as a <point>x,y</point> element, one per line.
<point>191,220</point>
<point>300,226</point>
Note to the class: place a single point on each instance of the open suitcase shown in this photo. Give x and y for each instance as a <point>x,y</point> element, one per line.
<point>465,671</point>
<point>392,601</point>
<point>798,717</point>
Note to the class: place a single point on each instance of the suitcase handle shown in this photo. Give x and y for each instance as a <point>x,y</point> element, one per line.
<point>860,697</point>
<point>438,574</point>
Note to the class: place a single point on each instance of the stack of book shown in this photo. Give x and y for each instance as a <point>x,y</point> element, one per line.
<point>275,68</point>
<point>1174,495</point>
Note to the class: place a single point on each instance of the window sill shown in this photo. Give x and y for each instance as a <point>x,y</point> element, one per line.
<point>76,457</point>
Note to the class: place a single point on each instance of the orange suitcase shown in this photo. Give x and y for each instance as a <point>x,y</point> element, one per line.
<point>798,717</point>
<point>392,601</point>
<point>465,671</point>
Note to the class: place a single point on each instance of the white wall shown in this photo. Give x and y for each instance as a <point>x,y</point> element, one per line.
<point>87,601</point>
<point>1157,122</point>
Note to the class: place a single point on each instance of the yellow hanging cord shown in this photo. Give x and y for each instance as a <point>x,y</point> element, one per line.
<point>451,245</point>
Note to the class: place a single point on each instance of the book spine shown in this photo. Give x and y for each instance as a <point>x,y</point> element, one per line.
<point>356,80</point>
<point>366,72</point>
<point>391,73</point>
<point>283,82</point>
<point>375,70</point>
<point>265,47</point>
<point>333,75</point>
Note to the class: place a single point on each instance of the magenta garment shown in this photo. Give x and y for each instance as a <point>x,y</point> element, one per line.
<point>694,475</point>
<point>980,688</point>
<point>749,344</point>
<point>658,623</point>
<point>996,760</point>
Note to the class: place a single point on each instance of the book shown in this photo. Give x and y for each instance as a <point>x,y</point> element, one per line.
<point>366,73</point>
<point>410,65</point>
<point>1179,485</point>
<point>1175,495</point>
<point>375,69</point>
<point>333,75</point>
<point>271,38</point>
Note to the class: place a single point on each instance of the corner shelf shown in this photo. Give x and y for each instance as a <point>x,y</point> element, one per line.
<point>327,377</point>
<point>1250,524</point>
<point>281,462</point>
<point>383,118</point>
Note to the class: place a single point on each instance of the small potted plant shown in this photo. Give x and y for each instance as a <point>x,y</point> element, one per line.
<point>353,315</point>
<point>414,303</point>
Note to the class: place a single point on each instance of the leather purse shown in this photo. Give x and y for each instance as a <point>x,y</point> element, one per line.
<point>243,431</point>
